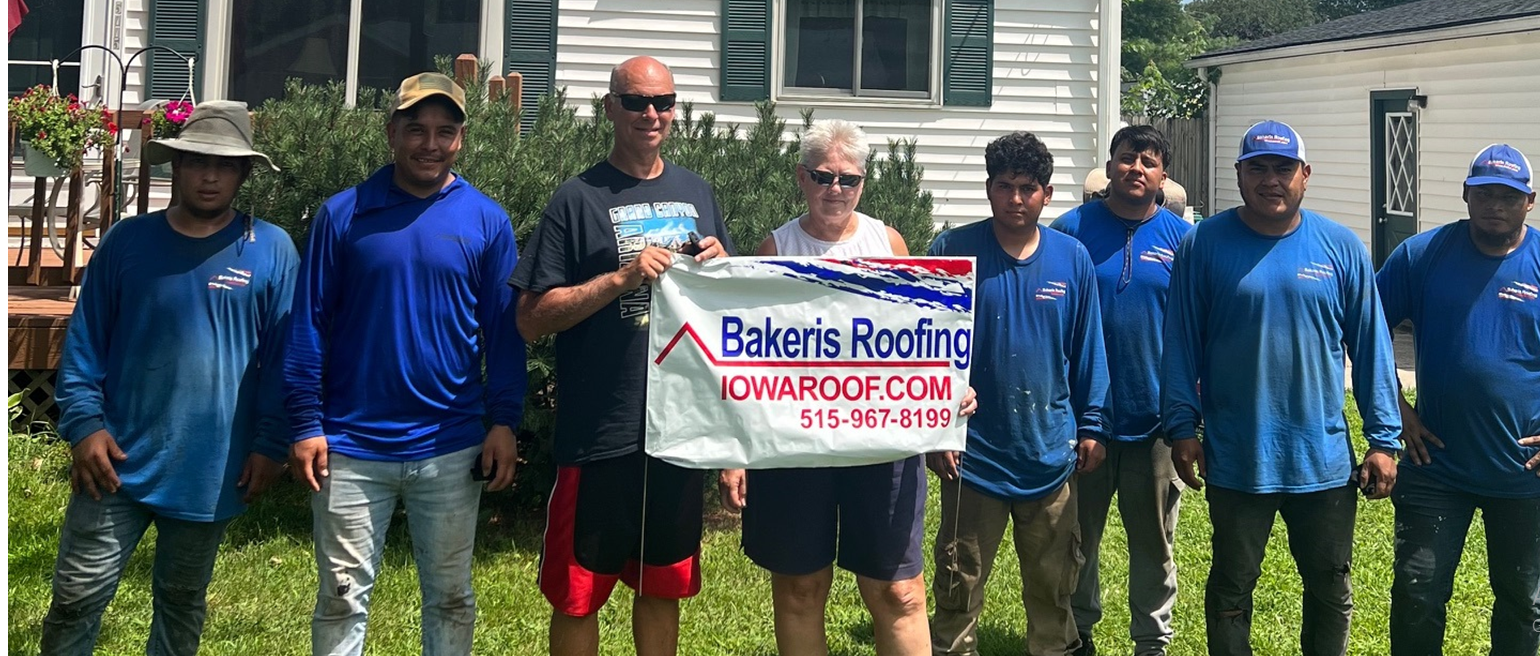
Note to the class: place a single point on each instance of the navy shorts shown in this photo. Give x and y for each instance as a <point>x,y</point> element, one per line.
<point>872,518</point>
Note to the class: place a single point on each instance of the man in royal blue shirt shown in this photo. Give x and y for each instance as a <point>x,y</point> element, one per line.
<point>401,297</point>
<point>1132,240</point>
<point>1263,299</point>
<point>168,388</point>
<point>1472,292</point>
<point>1040,374</point>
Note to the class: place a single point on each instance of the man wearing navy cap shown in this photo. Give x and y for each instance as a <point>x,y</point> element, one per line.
<point>1266,300</point>
<point>1472,290</point>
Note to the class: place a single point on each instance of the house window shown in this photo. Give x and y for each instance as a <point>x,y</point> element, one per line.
<point>865,48</point>
<point>273,40</point>
<point>50,30</point>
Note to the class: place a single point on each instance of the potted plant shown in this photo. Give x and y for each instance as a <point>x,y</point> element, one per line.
<point>57,132</point>
<point>165,121</point>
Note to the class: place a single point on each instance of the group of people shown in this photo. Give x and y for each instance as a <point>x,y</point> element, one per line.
<point>1114,353</point>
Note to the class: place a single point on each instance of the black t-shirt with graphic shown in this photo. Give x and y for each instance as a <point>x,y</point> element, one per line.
<point>594,224</point>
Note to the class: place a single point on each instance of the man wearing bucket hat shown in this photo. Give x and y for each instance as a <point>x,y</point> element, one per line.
<point>1472,290</point>
<point>1266,300</point>
<point>402,299</point>
<point>168,388</point>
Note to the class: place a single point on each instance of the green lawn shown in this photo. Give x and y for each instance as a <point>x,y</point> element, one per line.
<point>264,586</point>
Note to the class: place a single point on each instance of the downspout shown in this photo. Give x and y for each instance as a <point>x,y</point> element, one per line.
<point>1109,93</point>
<point>1211,125</point>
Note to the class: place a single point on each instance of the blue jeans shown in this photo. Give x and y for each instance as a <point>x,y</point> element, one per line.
<point>352,513</point>
<point>98,538</point>
<point>1431,522</point>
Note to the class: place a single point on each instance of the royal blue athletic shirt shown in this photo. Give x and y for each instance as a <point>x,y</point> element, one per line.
<point>175,349</point>
<point>1260,322</point>
<point>393,291</point>
<point>1477,321</point>
<point>1133,276</point>
<point>1039,368</point>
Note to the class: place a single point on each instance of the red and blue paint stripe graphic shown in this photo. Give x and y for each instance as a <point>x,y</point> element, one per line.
<point>930,283</point>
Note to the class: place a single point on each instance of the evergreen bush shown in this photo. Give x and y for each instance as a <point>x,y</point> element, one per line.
<point>323,147</point>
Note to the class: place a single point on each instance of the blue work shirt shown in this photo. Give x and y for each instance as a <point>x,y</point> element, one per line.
<point>1261,322</point>
<point>399,299</point>
<point>174,348</point>
<point>1133,277</point>
<point>1039,368</point>
<point>1477,332</point>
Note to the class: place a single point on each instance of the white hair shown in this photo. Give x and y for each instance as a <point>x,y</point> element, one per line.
<point>834,137</point>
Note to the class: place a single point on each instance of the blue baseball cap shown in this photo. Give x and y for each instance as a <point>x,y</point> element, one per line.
<point>1272,138</point>
<point>1501,164</point>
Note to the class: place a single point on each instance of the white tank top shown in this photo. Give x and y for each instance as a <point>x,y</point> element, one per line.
<point>869,240</point>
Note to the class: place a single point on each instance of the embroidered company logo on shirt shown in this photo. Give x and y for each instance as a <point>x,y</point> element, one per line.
<point>1521,292</point>
<point>1053,292</point>
<point>235,278</point>
<point>1317,271</point>
<point>1158,255</point>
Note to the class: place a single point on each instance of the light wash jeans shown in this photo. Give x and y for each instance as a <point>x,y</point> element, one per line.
<point>98,538</point>
<point>352,513</point>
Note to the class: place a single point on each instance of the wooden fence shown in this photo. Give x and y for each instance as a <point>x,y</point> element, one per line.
<point>1190,163</point>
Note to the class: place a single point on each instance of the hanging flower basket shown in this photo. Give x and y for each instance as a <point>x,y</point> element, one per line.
<point>165,122</point>
<point>39,164</point>
<point>59,129</point>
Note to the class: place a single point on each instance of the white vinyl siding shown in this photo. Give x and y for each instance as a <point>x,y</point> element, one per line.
<point>1045,69</point>
<point>1480,90</point>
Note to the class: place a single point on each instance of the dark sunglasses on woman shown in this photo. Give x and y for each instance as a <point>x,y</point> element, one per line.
<point>825,178</point>
<point>637,103</point>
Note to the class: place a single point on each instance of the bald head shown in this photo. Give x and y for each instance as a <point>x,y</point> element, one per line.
<point>641,72</point>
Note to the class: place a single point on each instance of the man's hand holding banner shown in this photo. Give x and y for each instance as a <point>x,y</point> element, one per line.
<point>804,362</point>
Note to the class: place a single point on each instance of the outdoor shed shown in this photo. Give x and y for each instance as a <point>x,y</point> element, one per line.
<point>1392,105</point>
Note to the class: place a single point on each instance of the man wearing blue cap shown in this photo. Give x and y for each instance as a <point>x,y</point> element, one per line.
<point>1266,300</point>
<point>1472,290</point>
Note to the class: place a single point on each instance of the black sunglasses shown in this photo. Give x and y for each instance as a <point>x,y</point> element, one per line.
<point>638,103</point>
<point>825,178</point>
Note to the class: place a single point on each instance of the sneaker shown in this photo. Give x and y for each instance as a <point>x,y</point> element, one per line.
<point>1087,646</point>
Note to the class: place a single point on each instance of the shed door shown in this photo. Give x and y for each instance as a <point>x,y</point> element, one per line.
<point>1393,158</point>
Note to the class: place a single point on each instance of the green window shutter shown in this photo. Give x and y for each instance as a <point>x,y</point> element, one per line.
<point>745,50</point>
<point>530,50</point>
<point>178,25</point>
<point>969,52</point>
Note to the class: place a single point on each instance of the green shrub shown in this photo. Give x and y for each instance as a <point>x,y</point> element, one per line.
<point>324,147</point>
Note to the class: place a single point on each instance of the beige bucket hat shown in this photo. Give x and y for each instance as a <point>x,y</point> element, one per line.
<point>217,127</point>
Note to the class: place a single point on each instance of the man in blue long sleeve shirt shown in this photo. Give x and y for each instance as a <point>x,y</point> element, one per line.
<point>1040,373</point>
<point>1132,240</point>
<point>1472,292</point>
<point>169,390</point>
<point>1263,299</point>
<point>401,296</point>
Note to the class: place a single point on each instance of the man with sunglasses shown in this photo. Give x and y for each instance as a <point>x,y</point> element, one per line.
<point>1472,291</point>
<point>1132,241</point>
<point>584,277</point>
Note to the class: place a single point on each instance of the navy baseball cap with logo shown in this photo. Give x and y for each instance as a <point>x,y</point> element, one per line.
<point>1501,164</point>
<point>1272,138</point>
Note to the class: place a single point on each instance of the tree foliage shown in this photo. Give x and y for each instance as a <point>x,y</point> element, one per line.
<point>1159,36</point>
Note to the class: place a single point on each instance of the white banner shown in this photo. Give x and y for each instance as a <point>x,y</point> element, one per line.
<point>803,362</point>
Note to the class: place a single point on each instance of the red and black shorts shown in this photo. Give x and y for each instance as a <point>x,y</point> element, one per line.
<point>595,533</point>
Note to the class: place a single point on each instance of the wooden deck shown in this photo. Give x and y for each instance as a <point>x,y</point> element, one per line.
<point>37,319</point>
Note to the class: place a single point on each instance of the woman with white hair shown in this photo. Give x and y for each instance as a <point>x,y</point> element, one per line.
<point>869,517</point>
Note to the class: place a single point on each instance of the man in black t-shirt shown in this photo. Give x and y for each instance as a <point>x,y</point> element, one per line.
<point>584,276</point>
